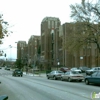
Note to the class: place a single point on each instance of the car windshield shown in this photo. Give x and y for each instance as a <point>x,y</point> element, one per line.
<point>74,68</point>
<point>74,72</point>
<point>92,68</point>
<point>60,72</point>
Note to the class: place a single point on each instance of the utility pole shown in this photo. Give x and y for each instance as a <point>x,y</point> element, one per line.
<point>10,51</point>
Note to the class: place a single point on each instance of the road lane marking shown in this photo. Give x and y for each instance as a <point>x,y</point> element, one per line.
<point>84,96</point>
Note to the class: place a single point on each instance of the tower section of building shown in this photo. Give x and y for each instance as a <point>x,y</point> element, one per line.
<point>48,27</point>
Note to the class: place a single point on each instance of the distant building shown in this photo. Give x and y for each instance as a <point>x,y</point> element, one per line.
<point>22,51</point>
<point>33,45</point>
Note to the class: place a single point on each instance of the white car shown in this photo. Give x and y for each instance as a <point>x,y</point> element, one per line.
<point>72,76</point>
<point>92,70</point>
<point>76,69</point>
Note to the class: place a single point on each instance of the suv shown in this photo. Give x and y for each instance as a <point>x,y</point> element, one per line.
<point>84,68</point>
<point>17,72</point>
<point>92,70</point>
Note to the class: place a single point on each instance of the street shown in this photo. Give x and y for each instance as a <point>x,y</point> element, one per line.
<point>40,88</point>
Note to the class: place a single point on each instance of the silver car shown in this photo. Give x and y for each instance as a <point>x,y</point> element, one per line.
<point>92,70</point>
<point>55,74</point>
<point>76,69</point>
<point>72,76</point>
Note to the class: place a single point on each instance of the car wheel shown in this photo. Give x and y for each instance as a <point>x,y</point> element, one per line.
<point>54,77</point>
<point>69,79</point>
<point>62,79</point>
<point>80,80</point>
<point>47,77</point>
<point>87,82</point>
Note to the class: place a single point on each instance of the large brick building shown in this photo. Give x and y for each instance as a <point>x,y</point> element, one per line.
<point>28,53</point>
<point>86,56</point>
<point>52,48</point>
<point>48,40</point>
<point>22,51</point>
<point>33,46</point>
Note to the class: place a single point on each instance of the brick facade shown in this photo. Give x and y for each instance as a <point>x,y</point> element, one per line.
<point>48,40</point>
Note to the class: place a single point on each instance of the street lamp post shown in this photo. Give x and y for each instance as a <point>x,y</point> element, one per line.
<point>58,63</point>
<point>52,46</point>
<point>10,51</point>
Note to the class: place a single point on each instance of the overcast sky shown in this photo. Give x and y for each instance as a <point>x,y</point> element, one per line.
<point>25,17</point>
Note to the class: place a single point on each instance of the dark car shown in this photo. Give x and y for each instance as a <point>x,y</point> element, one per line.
<point>64,69</point>
<point>94,78</point>
<point>17,72</point>
<point>92,70</point>
<point>3,97</point>
<point>7,68</point>
<point>84,68</point>
<point>55,74</point>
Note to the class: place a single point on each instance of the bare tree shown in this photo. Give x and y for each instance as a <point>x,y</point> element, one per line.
<point>4,29</point>
<point>86,26</point>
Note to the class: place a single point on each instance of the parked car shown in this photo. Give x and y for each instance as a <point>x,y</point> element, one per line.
<point>17,72</point>
<point>92,70</point>
<point>55,74</point>
<point>94,78</point>
<point>84,68</point>
<point>76,69</point>
<point>3,97</point>
<point>64,69</point>
<point>72,76</point>
<point>7,68</point>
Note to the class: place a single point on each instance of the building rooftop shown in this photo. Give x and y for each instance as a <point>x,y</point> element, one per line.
<point>50,18</point>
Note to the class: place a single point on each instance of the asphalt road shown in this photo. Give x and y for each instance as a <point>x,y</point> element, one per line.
<point>40,88</point>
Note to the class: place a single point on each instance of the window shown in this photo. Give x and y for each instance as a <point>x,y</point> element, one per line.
<point>95,52</point>
<point>52,24</point>
<point>94,74</point>
<point>75,72</point>
<point>96,68</point>
<point>56,24</point>
<point>67,73</point>
<point>60,71</point>
<point>49,24</point>
<point>98,74</point>
<point>84,51</point>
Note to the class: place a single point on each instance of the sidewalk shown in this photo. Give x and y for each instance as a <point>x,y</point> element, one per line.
<point>30,74</point>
